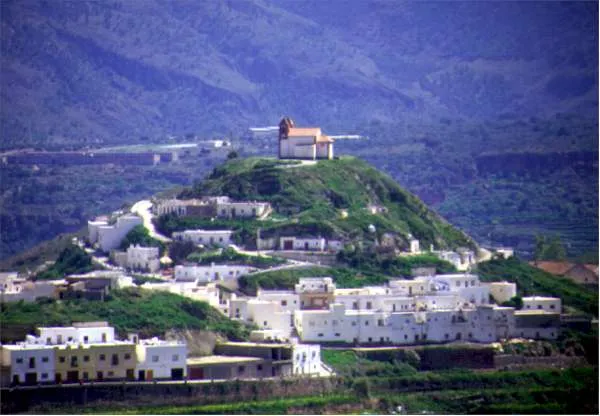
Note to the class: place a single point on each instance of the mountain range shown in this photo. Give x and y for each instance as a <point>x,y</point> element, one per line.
<point>89,72</point>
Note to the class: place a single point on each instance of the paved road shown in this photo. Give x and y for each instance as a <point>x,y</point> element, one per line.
<point>142,208</point>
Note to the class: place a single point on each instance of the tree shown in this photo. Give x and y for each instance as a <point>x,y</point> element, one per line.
<point>549,248</point>
<point>232,155</point>
<point>180,250</point>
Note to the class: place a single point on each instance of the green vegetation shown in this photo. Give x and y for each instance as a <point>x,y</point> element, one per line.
<point>549,248</point>
<point>393,265</point>
<point>230,256</point>
<point>280,406</point>
<point>128,310</point>
<point>514,302</point>
<point>141,236</point>
<point>71,260</point>
<point>533,281</point>
<point>287,278</point>
<point>315,196</point>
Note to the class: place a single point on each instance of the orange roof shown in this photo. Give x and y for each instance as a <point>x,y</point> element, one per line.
<point>591,267</point>
<point>324,139</point>
<point>304,131</point>
<point>554,267</point>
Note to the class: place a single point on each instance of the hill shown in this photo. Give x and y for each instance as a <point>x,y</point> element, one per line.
<point>129,310</point>
<point>330,198</point>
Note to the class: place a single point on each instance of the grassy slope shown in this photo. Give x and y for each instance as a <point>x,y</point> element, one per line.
<point>312,196</point>
<point>531,280</point>
<point>136,310</point>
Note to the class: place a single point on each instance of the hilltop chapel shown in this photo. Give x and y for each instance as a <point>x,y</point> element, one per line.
<point>303,143</point>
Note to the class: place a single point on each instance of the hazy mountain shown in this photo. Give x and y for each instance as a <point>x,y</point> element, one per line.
<point>113,70</point>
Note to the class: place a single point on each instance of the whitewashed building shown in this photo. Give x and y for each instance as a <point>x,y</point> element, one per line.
<point>303,143</point>
<point>220,238</point>
<point>158,359</point>
<point>82,332</point>
<point>210,273</point>
<point>302,243</point>
<point>548,304</point>
<point>109,236</point>
<point>28,362</point>
<point>143,258</point>
<point>245,209</point>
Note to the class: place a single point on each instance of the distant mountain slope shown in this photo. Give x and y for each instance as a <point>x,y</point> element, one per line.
<point>331,198</point>
<point>88,71</point>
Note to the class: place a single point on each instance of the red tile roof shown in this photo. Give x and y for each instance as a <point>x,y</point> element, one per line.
<point>554,267</point>
<point>304,131</point>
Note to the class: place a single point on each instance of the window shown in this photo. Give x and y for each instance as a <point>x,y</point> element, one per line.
<point>265,323</point>
<point>70,339</point>
<point>405,336</point>
<point>241,369</point>
<point>259,367</point>
<point>127,356</point>
<point>86,376</point>
<point>539,306</point>
<point>284,303</point>
<point>155,358</point>
<point>457,284</point>
<point>353,323</point>
<point>44,359</point>
<point>32,362</point>
<point>380,322</point>
<point>74,362</point>
<point>370,339</point>
<point>85,339</point>
<point>115,359</point>
<point>366,323</point>
<point>337,334</point>
<point>61,359</point>
<point>111,373</point>
<point>102,357</point>
<point>175,357</point>
<point>86,358</point>
<point>369,305</point>
<point>19,360</point>
<point>44,375</point>
<point>49,340</point>
<point>551,306</point>
<point>104,337</point>
<point>320,335</point>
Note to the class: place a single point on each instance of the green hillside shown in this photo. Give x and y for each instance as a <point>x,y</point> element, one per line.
<point>311,199</point>
<point>130,310</point>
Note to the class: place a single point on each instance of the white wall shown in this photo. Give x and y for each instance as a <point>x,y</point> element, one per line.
<point>20,360</point>
<point>207,237</point>
<point>110,236</point>
<point>161,357</point>
<point>60,335</point>
<point>542,303</point>
<point>215,272</point>
<point>306,359</point>
<point>145,258</point>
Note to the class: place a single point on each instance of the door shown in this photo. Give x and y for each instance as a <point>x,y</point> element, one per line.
<point>58,378</point>
<point>15,379</point>
<point>306,246</point>
<point>150,375</point>
<point>177,373</point>
<point>130,374</point>
<point>99,376</point>
<point>288,245</point>
<point>72,376</point>
<point>196,373</point>
<point>141,375</point>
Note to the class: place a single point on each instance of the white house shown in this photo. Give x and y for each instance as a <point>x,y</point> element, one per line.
<point>28,362</point>
<point>247,209</point>
<point>547,304</point>
<point>109,236</point>
<point>267,315</point>
<point>298,243</point>
<point>306,358</point>
<point>82,332</point>
<point>303,143</point>
<point>143,258</point>
<point>220,238</point>
<point>158,359</point>
<point>210,273</point>
<point>462,260</point>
